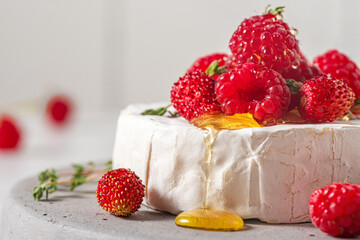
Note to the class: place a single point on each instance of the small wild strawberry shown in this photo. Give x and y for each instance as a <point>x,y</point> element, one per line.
<point>120,192</point>
<point>193,95</point>
<point>324,99</point>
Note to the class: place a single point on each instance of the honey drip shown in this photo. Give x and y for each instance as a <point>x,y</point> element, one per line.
<point>220,121</point>
<point>206,218</point>
<point>210,220</point>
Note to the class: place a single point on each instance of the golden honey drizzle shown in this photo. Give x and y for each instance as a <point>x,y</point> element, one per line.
<point>206,218</point>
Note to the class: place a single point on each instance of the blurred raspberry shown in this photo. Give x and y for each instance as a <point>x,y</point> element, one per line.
<point>59,108</point>
<point>10,134</point>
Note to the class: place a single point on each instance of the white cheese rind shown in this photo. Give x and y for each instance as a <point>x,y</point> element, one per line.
<point>266,173</point>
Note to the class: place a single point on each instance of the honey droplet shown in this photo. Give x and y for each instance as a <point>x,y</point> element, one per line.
<point>220,121</point>
<point>209,219</point>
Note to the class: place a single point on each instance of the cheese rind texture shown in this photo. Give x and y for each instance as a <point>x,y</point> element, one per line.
<point>266,173</point>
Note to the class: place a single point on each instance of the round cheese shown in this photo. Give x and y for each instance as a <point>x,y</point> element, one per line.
<point>266,173</point>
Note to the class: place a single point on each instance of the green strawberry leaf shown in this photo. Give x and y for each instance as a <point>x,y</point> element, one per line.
<point>357,101</point>
<point>293,86</point>
<point>276,11</point>
<point>215,69</point>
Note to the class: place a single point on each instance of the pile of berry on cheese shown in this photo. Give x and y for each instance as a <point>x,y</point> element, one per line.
<point>228,163</point>
<point>267,75</point>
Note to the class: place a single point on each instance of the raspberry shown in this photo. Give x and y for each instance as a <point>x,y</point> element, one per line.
<point>303,72</point>
<point>254,89</point>
<point>335,209</point>
<point>193,95</point>
<point>10,134</point>
<point>120,192</point>
<point>204,62</point>
<point>59,109</point>
<point>338,65</point>
<point>324,99</point>
<point>300,74</point>
<point>267,40</point>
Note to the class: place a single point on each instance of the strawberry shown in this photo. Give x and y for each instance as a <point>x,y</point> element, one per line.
<point>335,209</point>
<point>59,109</point>
<point>337,65</point>
<point>204,62</point>
<point>10,134</point>
<point>193,95</point>
<point>254,89</point>
<point>120,192</point>
<point>267,40</point>
<point>323,99</point>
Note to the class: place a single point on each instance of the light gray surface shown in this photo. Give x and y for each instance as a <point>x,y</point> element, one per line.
<point>89,137</point>
<point>76,215</point>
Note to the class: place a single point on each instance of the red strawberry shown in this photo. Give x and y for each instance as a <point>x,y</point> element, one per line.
<point>254,89</point>
<point>267,40</point>
<point>59,109</point>
<point>10,134</point>
<point>120,192</point>
<point>204,62</point>
<point>324,99</point>
<point>193,95</point>
<point>338,65</point>
<point>335,209</point>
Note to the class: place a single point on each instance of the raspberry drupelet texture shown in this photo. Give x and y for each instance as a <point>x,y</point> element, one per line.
<point>323,99</point>
<point>254,89</point>
<point>337,65</point>
<point>120,192</point>
<point>267,40</point>
<point>193,95</point>
<point>335,209</point>
<point>204,62</point>
<point>303,72</point>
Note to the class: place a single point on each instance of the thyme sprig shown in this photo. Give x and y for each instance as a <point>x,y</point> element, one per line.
<point>49,179</point>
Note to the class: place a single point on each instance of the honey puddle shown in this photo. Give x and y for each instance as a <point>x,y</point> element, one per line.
<point>204,217</point>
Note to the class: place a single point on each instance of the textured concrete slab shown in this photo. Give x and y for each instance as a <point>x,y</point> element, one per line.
<point>77,215</point>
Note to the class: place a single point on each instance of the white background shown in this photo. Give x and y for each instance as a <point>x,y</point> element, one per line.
<point>110,53</point>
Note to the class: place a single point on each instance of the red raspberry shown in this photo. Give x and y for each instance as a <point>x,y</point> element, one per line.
<point>254,89</point>
<point>193,95</point>
<point>59,109</point>
<point>300,74</point>
<point>267,40</point>
<point>335,209</point>
<point>120,192</point>
<point>303,72</point>
<point>10,134</point>
<point>338,65</point>
<point>204,62</point>
<point>324,99</point>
